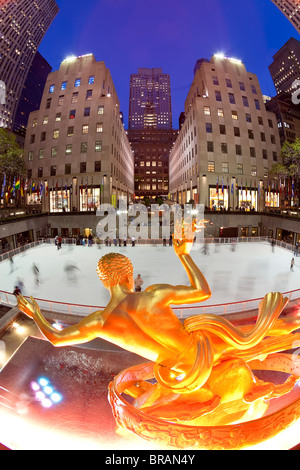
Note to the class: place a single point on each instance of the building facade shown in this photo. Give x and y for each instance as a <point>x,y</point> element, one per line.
<point>150,100</point>
<point>151,161</point>
<point>285,69</point>
<point>23,24</point>
<point>291,9</point>
<point>228,141</point>
<point>77,150</point>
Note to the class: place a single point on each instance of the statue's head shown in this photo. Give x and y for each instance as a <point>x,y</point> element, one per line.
<point>114,269</point>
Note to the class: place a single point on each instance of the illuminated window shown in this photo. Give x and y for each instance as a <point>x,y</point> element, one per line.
<point>51,89</point>
<point>85,129</point>
<point>207,110</point>
<point>46,120</point>
<point>56,134</point>
<point>234,115</point>
<point>92,80</point>
<point>100,109</point>
<point>58,117</point>
<point>63,85</point>
<point>253,170</point>
<point>99,127</point>
<point>220,112</point>
<point>69,149</point>
<point>98,146</point>
<point>30,156</point>
<point>77,82</point>
<point>211,167</point>
<point>41,154</point>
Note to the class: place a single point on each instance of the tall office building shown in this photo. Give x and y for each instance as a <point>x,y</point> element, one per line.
<point>291,9</point>
<point>228,141</point>
<point>23,24</point>
<point>76,148</point>
<point>32,93</point>
<point>150,100</point>
<point>285,68</point>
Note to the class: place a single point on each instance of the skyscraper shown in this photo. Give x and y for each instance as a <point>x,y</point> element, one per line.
<point>150,100</point>
<point>285,68</point>
<point>23,24</point>
<point>291,9</point>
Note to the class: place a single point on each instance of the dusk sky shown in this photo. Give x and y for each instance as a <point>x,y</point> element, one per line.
<point>171,34</point>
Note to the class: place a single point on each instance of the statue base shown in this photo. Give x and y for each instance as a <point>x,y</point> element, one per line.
<point>275,430</point>
<point>56,398</point>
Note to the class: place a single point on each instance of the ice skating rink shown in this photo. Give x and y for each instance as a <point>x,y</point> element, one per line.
<point>69,275</point>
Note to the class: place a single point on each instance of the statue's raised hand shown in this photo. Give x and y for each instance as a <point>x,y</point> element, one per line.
<point>27,306</point>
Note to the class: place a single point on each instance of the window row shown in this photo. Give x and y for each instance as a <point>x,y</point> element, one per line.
<point>242,87</point>
<point>225,168</point>
<point>74,100</point>
<point>237,133</point>
<point>70,132</point>
<point>234,115</point>
<point>68,150</point>
<point>232,100</point>
<point>238,151</point>
<point>68,169</point>
<point>77,84</point>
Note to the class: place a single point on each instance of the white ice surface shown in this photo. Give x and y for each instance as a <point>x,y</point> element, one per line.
<point>249,272</point>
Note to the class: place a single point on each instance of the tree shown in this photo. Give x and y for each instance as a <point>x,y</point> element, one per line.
<point>11,156</point>
<point>289,168</point>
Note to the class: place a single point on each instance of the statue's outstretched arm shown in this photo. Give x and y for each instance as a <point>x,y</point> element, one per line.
<point>86,330</point>
<point>198,291</point>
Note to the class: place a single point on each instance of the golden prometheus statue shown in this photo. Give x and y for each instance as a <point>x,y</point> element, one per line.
<point>206,394</point>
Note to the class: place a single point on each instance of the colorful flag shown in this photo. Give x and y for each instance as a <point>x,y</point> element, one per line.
<point>3,185</point>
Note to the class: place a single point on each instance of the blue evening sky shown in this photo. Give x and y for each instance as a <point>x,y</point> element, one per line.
<point>171,34</point>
